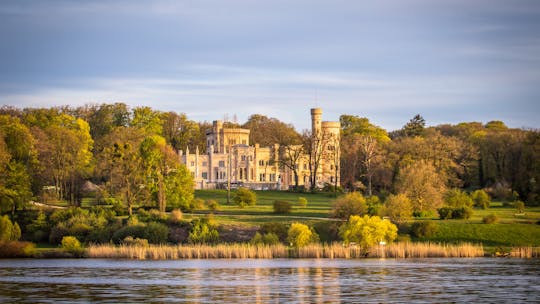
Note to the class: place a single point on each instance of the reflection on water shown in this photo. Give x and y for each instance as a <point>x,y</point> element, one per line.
<point>270,281</point>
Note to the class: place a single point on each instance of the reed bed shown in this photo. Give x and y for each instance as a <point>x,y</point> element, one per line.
<point>525,252</point>
<point>317,251</point>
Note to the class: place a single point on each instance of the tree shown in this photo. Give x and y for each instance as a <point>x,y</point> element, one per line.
<point>415,126</point>
<point>9,231</point>
<point>350,204</point>
<point>457,198</point>
<point>300,235</point>
<point>365,141</point>
<point>290,158</point>
<point>269,131</point>
<point>398,208</point>
<point>367,231</point>
<point>314,144</point>
<point>148,120</point>
<point>481,199</point>
<point>179,131</point>
<point>421,183</point>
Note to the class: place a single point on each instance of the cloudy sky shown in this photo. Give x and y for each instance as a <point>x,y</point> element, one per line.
<point>448,60</point>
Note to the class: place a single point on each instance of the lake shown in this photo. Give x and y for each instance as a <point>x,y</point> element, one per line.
<point>270,281</point>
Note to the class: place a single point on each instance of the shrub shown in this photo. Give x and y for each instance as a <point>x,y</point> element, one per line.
<point>176,216</point>
<point>481,199</point>
<point>212,204</point>
<point>445,213</point>
<point>72,245</point>
<point>520,206</point>
<point>9,231</point>
<point>16,249</point>
<point>135,231</point>
<point>350,204</point>
<point>374,205</point>
<point>462,213</point>
<point>302,202</point>
<point>156,233</point>
<point>245,197</point>
<point>196,204</point>
<point>282,207</point>
<point>202,231</point>
<point>367,231</point>
<point>266,239</point>
<point>152,215</point>
<point>398,208</point>
<point>456,198</point>
<point>276,228</point>
<point>328,231</point>
<point>424,229</point>
<point>490,219</point>
<point>137,242</point>
<point>300,235</point>
<point>39,229</point>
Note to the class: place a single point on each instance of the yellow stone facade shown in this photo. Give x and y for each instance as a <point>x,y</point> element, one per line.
<point>232,158</point>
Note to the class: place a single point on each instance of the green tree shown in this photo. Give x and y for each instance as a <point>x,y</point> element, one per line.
<point>269,131</point>
<point>367,231</point>
<point>352,203</point>
<point>146,119</point>
<point>398,208</point>
<point>300,235</point>
<point>421,183</point>
<point>457,198</point>
<point>245,197</point>
<point>9,231</point>
<point>415,126</point>
<point>179,131</point>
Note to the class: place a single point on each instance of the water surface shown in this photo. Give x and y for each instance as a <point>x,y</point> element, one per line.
<point>270,281</point>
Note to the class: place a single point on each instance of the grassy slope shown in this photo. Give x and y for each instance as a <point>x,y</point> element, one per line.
<point>511,230</point>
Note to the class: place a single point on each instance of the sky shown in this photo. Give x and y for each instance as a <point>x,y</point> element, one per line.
<point>450,61</point>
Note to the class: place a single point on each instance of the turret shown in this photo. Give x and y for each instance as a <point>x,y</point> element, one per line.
<point>316,114</point>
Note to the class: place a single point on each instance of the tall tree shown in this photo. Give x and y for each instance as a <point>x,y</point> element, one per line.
<point>269,131</point>
<point>179,131</point>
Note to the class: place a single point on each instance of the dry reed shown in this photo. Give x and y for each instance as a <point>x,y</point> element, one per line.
<point>525,252</point>
<point>248,251</point>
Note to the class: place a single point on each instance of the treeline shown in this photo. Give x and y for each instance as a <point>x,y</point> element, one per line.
<point>425,163</point>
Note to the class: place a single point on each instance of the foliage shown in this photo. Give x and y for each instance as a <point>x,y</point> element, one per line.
<point>282,207</point>
<point>415,127</point>
<point>421,183</point>
<point>212,204</point>
<point>374,204</point>
<point>72,245</point>
<point>245,197</point>
<point>455,213</point>
<point>349,204</point>
<point>196,204</point>
<point>398,208</point>
<point>9,231</point>
<point>16,249</point>
<point>300,235</point>
<point>445,213</point>
<point>176,216</point>
<point>423,229</point>
<point>203,231</point>
<point>264,239</point>
<point>156,233</point>
<point>302,202</point>
<point>456,198</point>
<point>269,131</point>
<point>137,242</point>
<point>276,228</point>
<point>520,206</point>
<point>39,229</point>
<point>80,223</point>
<point>367,231</point>
<point>490,219</point>
<point>481,199</point>
<point>134,231</point>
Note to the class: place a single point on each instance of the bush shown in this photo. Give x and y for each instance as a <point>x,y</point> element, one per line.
<point>328,231</point>
<point>130,241</point>
<point>245,197</point>
<point>300,235</point>
<point>276,228</point>
<point>445,213</point>
<point>367,231</point>
<point>9,231</point>
<point>302,202</point>
<point>196,204</point>
<point>135,231</point>
<point>424,229</point>
<point>212,204</point>
<point>176,216</point>
<point>203,231</point>
<point>266,239</point>
<point>282,207</point>
<point>462,213</point>
<point>16,249</point>
<point>456,198</point>
<point>374,205</point>
<point>156,233</point>
<point>350,204</point>
<point>520,206</point>
<point>72,245</point>
<point>490,219</point>
<point>152,215</point>
<point>481,199</point>
<point>398,208</point>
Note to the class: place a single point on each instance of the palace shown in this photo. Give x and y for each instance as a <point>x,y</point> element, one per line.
<point>231,158</point>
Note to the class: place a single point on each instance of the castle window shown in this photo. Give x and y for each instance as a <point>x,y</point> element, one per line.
<point>331,148</point>
<point>221,163</point>
<point>193,164</point>
<point>331,179</point>
<point>262,177</point>
<point>204,164</point>
<point>305,166</point>
<point>261,162</point>
<point>273,177</point>
<point>243,157</point>
<point>331,167</point>
<point>205,175</point>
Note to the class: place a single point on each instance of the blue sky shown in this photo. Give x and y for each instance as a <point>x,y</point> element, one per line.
<point>448,60</point>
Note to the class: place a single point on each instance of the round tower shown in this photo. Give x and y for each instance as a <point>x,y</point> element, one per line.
<point>316,115</point>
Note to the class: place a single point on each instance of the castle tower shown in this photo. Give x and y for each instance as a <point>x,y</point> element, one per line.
<point>316,115</point>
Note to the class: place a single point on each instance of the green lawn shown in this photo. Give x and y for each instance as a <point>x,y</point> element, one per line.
<point>510,230</point>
